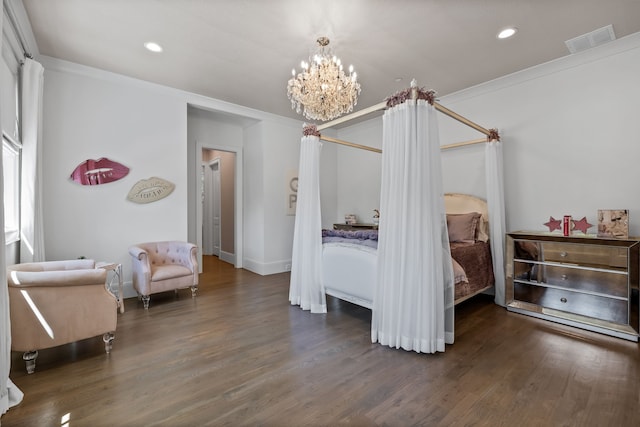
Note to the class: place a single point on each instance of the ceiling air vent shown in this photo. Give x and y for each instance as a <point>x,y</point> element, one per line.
<point>594,38</point>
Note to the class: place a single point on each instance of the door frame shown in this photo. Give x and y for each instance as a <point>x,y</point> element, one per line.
<point>238,237</point>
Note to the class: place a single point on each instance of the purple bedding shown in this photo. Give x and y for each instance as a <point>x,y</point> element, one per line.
<point>360,237</point>
<point>475,259</point>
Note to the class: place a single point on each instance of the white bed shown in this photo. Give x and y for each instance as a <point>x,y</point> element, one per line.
<point>349,270</point>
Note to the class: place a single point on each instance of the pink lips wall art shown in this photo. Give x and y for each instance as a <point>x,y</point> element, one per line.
<point>101,171</point>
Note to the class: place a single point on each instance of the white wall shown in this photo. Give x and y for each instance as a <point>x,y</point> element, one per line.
<point>359,171</point>
<point>154,130</point>
<point>571,135</point>
<point>274,152</point>
<point>281,155</point>
<point>570,131</point>
<point>89,118</point>
<point>254,203</point>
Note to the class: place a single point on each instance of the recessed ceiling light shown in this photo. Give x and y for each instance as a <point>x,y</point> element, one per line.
<point>153,47</point>
<point>507,32</point>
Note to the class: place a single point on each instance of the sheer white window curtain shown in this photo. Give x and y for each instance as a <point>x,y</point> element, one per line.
<point>10,395</point>
<point>306,288</point>
<point>31,217</point>
<point>413,302</point>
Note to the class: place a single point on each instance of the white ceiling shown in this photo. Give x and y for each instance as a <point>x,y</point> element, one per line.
<point>242,51</point>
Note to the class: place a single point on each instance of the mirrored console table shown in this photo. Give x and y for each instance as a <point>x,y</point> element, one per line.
<point>586,282</point>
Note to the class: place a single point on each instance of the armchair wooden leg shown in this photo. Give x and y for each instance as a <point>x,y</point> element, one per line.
<point>145,301</point>
<point>194,289</point>
<point>29,358</point>
<point>108,341</point>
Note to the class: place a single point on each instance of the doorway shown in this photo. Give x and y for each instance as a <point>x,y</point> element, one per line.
<point>218,236</point>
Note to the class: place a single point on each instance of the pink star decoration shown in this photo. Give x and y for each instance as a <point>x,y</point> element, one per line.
<point>553,224</point>
<point>582,225</point>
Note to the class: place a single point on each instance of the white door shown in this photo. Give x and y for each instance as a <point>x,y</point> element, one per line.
<point>211,209</point>
<point>205,232</point>
<point>216,209</point>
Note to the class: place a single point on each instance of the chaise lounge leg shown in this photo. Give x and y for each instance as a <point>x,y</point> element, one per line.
<point>194,289</point>
<point>108,341</point>
<point>29,358</point>
<point>145,301</point>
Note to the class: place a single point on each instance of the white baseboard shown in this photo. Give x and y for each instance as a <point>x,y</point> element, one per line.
<point>265,269</point>
<point>227,257</point>
<point>128,291</point>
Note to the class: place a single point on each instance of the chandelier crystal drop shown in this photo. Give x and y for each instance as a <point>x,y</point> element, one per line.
<point>322,90</point>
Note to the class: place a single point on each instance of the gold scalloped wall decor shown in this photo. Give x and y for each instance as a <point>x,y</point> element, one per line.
<point>150,190</point>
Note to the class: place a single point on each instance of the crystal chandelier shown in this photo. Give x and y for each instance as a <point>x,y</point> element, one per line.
<point>322,91</point>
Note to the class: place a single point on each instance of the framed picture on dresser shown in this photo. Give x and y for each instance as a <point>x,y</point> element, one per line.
<point>613,223</point>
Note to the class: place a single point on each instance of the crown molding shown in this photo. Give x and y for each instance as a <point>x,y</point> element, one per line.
<point>597,53</point>
<point>191,99</point>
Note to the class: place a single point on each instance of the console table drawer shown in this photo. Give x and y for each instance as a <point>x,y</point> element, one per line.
<point>597,307</point>
<point>576,278</point>
<point>584,254</point>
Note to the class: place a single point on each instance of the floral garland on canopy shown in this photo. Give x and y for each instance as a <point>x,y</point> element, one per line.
<point>401,96</point>
<point>310,130</point>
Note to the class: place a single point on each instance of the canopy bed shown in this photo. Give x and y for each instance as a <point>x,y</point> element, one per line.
<point>413,294</point>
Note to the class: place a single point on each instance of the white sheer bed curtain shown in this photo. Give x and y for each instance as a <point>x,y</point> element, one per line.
<point>306,288</point>
<point>413,302</point>
<point>31,219</point>
<point>495,206</point>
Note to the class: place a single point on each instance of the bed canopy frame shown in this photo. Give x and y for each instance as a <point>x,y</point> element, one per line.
<point>491,134</point>
<point>390,326</point>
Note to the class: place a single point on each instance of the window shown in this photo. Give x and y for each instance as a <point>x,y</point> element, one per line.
<point>11,180</point>
<point>10,121</point>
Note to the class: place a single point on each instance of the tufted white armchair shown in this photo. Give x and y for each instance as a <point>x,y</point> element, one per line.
<point>164,266</point>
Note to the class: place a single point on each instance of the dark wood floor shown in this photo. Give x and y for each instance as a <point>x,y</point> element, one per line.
<point>239,354</point>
